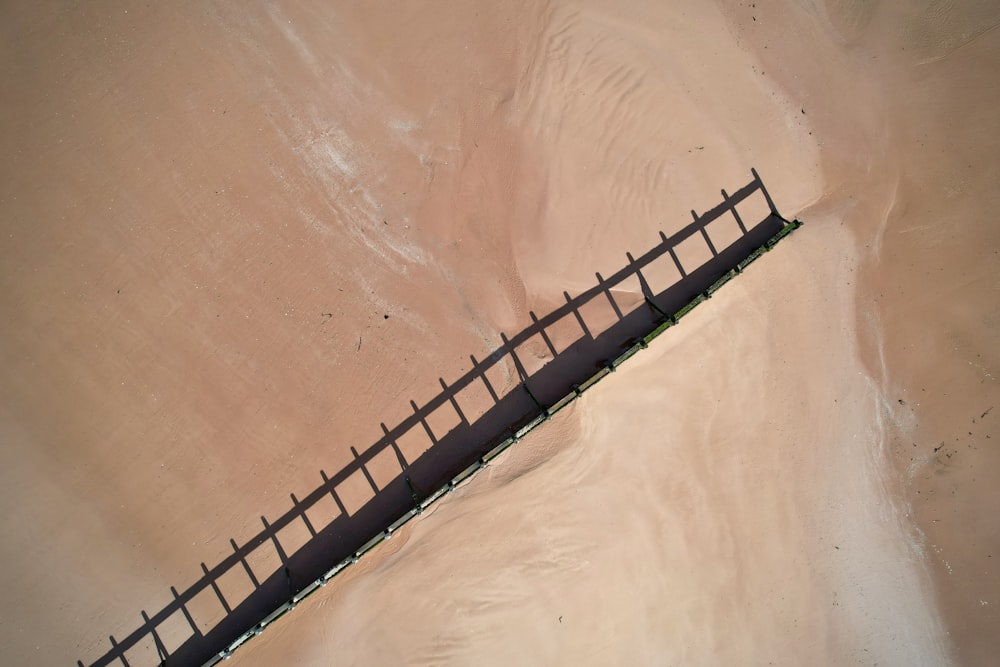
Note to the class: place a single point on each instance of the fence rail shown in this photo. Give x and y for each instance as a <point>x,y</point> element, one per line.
<point>456,456</point>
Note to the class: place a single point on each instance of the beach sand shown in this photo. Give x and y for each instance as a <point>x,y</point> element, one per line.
<point>235,241</point>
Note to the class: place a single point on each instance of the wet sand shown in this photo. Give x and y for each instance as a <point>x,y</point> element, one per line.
<point>234,242</point>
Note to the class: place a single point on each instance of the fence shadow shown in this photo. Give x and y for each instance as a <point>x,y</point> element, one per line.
<point>469,417</point>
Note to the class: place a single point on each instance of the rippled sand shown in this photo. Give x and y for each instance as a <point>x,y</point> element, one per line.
<point>236,240</point>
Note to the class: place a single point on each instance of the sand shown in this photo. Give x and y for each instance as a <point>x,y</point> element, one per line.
<point>611,538</point>
<point>235,241</point>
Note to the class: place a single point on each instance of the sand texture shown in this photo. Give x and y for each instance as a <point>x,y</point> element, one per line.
<point>239,244</point>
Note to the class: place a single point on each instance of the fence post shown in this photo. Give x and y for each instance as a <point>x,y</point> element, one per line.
<point>653,305</point>
<point>413,493</point>
<point>537,403</point>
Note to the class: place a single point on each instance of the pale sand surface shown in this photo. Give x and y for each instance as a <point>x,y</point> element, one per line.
<point>186,193</point>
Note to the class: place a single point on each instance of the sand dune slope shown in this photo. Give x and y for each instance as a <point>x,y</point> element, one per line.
<point>236,239</point>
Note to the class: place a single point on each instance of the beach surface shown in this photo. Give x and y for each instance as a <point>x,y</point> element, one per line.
<point>238,242</point>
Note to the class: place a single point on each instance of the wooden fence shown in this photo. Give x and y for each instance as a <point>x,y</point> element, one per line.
<point>173,635</point>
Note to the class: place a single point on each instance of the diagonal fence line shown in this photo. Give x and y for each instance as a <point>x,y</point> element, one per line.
<point>572,307</point>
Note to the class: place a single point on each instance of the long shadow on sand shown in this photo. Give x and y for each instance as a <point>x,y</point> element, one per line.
<point>576,339</point>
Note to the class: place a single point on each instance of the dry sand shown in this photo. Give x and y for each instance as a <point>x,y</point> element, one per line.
<point>680,514</point>
<point>209,213</point>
